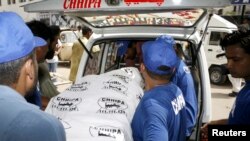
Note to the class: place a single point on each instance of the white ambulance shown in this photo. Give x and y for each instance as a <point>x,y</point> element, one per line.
<point>218,27</point>
<point>115,21</point>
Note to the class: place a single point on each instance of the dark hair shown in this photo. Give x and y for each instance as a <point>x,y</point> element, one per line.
<point>79,27</point>
<point>10,71</point>
<point>85,30</point>
<point>131,50</point>
<point>55,30</point>
<point>178,50</point>
<point>39,29</point>
<point>159,76</point>
<point>241,38</point>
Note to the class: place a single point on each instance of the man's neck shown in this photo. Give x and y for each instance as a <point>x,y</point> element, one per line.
<point>155,83</point>
<point>18,88</point>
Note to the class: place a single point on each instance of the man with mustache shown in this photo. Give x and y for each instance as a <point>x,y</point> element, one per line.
<point>20,120</point>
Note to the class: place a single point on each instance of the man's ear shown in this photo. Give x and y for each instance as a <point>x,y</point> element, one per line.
<point>142,67</point>
<point>29,69</point>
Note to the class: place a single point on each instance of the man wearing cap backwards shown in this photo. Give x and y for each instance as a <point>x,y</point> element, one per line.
<point>19,120</point>
<point>161,114</point>
<point>184,80</point>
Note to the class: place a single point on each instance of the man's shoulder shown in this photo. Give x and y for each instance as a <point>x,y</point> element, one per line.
<point>76,43</point>
<point>31,123</point>
<point>244,94</point>
<point>33,113</point>
<point>44,118</point>
<point>183,68</point>
<point>22,110</point>
<point>84,41</point>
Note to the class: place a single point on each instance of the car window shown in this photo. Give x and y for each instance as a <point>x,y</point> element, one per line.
<point>184,51</point>
<point>215,38</point>
<point>111,58</point>
<point>117,55</point>
<point>93,65</point>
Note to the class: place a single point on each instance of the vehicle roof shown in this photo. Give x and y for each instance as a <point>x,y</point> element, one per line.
<point>100,7</point>
<point>79,9</point>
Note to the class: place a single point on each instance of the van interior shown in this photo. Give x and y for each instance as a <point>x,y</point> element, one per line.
<point>127,52</point>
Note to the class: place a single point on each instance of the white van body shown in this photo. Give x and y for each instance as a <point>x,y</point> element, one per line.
<point>139,32</point>
<point>105,35</point>
<point>218,27</point>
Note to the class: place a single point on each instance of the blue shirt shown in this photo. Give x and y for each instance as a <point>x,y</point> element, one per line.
<point>184,80</point>
<point>21,121</point>
<point>122,47</point>
<point>160,115</point>
<point>240,113</point>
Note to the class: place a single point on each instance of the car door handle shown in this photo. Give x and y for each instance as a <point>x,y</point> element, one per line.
<point>210,50</point>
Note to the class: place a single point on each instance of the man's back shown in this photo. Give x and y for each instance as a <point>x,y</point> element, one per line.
<point>184,80</point>
<point>25,122</point>
<point>160,115</point>
<point>77,51</point>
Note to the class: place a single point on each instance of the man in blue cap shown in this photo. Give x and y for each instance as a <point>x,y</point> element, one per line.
<point>184,80</point>
<point>161,113</point>
<point>20,120</point>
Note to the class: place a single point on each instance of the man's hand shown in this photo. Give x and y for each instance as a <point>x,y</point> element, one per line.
<point>204,128</point>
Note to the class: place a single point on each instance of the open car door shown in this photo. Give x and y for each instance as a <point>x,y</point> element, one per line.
<point>113,21</point>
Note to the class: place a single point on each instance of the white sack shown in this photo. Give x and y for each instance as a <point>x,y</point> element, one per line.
<point>99,107</point>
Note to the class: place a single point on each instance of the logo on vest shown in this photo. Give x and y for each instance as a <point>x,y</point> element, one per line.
<point>79,87</point>
<point>178,104</point>
<point>186,69</point>
<point>112,106</point>
<point>66,104</point>
<point>106,131</point>
<point>116,86</point>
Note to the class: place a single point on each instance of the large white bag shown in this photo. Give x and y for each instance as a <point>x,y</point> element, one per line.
<point>99,107</point>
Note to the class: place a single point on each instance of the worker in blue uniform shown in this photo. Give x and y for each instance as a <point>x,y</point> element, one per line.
<point>161,113</point>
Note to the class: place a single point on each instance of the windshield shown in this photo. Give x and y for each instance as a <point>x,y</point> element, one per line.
<point>168,18</point>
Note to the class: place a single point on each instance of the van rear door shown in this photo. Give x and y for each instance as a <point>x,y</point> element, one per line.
<point>99,7</point>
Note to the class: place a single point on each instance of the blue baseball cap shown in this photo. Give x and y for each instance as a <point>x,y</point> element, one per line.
<point>16,39</point>
<point>159,56</point>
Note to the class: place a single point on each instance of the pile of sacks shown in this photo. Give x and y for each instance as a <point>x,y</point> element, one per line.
<point>99,107</point>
